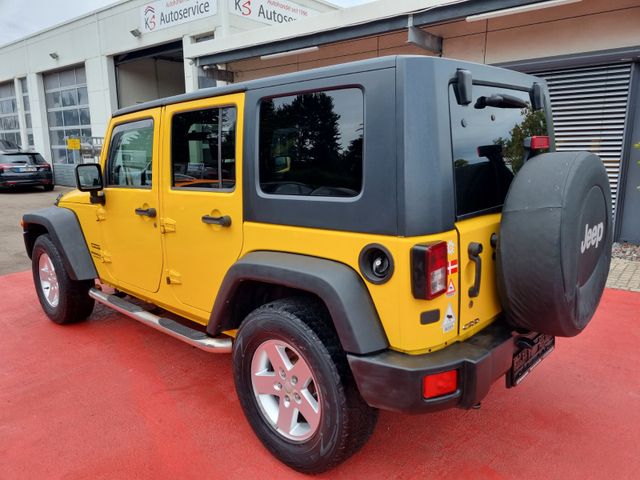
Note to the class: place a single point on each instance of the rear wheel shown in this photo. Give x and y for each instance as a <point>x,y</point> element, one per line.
<point>48,188</point>
<point>64,300</point>
<point>296,388</point>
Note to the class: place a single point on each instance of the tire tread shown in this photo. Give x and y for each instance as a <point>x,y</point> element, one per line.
<point>75,304</point>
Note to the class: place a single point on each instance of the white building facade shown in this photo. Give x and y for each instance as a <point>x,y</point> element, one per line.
<point>66,81</point>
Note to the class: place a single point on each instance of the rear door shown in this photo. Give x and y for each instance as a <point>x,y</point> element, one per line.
<point>202,196</point>
<point>488,150</point>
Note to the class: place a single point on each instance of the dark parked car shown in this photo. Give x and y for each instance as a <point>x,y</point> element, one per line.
<point>19,168</point>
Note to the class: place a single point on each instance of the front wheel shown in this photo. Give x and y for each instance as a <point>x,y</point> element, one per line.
<point>64,300</point>
<point>296,388</point>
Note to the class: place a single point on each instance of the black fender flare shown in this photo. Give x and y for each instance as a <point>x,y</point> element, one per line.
<point>63,227</point>
<point>340,288</point>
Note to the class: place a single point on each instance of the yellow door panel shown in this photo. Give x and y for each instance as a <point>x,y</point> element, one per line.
<point>88,216</point>
<point>476,312</point>
<point>201,216</point>
<point>131,246</point>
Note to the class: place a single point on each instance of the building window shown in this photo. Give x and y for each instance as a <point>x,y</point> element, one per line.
<point>67,112</point>
<point>27,111</point>
<point>9,123</point>
<point>203,149</point>
<point>311,144</point>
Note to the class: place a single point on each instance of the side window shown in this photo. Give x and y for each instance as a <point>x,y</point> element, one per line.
<point>131,155</point>
<point>311,143</point>
<point>203,149</point>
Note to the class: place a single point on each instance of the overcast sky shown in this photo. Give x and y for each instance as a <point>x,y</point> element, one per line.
<point>19,18</point>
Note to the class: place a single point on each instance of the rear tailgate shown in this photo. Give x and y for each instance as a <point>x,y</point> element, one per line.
<point>488,150</point>
<point>479,302</point>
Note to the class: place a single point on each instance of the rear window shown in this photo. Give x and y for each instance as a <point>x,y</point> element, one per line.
<point>488,145</point>
<point>23,159</point>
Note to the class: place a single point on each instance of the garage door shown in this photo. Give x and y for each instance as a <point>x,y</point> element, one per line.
<point>589,112</point>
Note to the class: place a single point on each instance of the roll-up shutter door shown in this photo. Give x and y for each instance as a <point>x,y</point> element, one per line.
<point>589,112</point>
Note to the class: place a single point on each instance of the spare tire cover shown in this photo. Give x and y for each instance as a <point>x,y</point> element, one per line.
<point>554,247</point>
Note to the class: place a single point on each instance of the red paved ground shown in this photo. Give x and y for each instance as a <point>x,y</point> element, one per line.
<point>110,398</point>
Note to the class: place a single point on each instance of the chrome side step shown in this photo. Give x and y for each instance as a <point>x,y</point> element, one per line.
<point>188,335</point>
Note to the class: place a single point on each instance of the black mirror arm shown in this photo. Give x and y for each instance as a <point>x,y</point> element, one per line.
<point>97,197</point>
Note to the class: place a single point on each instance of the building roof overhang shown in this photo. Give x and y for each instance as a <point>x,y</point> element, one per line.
<point>349,24</point>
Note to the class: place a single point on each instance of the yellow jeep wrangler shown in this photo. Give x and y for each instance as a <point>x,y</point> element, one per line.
<point>385,234</point>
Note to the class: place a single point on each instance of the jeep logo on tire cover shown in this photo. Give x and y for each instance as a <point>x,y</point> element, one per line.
<point>592,236</point>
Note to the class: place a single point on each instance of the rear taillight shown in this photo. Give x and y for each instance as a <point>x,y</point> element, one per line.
<point>439,384</point>
<point>539,142</point>
<point>429,270</point>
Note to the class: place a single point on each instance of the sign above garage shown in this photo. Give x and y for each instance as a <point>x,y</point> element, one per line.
<point>167,13</point>
<point>272,12</point>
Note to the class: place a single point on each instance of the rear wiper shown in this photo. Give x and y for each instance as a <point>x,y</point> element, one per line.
<point>500,101</point>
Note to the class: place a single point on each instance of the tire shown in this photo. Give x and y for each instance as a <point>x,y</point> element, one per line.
<point>48,188</point>
<point>554,247</point>
<point>341,422</point>
<point>64,300</point>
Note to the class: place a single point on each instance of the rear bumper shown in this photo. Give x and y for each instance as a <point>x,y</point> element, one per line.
<point>18,179</point>
<point>393,381</point>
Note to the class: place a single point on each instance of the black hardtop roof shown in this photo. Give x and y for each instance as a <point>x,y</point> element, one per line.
<point>316,73</point>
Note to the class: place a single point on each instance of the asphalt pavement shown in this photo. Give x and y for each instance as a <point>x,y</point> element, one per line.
<point>13,204</point>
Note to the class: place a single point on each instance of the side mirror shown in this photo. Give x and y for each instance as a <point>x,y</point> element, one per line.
<point>89,179</point>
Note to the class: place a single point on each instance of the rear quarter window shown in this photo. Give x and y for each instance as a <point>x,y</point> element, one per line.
<point>311,143</point>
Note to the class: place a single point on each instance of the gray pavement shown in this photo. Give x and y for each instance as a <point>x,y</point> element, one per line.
<point>624,275</point>
<point>14,203</point>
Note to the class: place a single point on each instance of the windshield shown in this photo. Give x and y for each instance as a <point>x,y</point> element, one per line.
<point>22,159</point>
<point>488,144</point>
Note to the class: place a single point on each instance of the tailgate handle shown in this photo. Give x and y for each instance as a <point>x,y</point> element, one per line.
<point>224,220</point>
<point>146,212</point>
<point>475,249</point>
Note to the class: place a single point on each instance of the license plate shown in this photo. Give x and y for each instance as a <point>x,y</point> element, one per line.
<point>28,169</point>
<point>532,352</point>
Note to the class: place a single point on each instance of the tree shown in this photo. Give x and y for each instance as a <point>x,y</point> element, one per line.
<point>305,130</point>
<point>534,123</point>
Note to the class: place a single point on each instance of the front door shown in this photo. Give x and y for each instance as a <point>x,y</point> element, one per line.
<point>202,197</point>
<point>131,248</point>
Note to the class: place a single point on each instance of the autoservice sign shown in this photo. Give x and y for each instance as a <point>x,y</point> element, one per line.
<point>167,13</point>
<point>271,12</point>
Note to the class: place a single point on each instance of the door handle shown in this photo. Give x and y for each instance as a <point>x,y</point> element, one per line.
<point>146,212</point>
<point>224,220</point>
<point>474,250</point>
